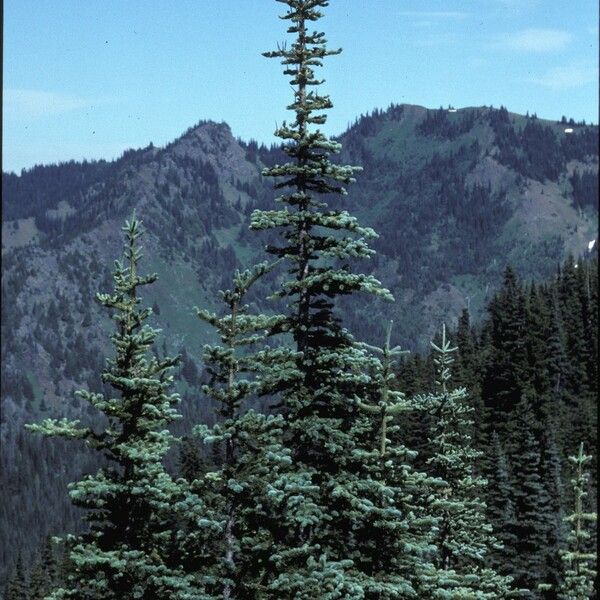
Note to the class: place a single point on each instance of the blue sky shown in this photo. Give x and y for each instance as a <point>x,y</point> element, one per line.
<point>87,79</point>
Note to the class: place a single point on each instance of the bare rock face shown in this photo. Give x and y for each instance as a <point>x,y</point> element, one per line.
<point>214,143</point>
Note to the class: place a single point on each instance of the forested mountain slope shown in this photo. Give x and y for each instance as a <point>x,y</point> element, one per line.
<point>531,368</point>
<point>455,197</point>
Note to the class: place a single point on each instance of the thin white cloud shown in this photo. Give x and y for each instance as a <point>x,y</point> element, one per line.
<point>439,39</point>
<point>512,4</point>
<point>567,77</point>
<point>435,14</point>
<point>479,61</point>
<point>22,104</point>
<point>535,40</point>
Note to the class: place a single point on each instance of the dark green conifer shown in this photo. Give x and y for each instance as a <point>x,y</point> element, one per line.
<point>467,374</point>
<point>191,463</point>
<point>554,356</point>
<point>48,560</point>
<point>39,582</point>
<point>539,326</point>
<point>467,363</point>
<point>411,375</point>
<point>500,506</point>
<point>590,285</point>
<point>131,503</point>
<point>42,574</point>
<point>533,515</point>
<point>551,471</point>
<point>415,425</point>
<point>17,587</point>
<point>572,299</point>
<point>319,554</point>
<point>506,375</point>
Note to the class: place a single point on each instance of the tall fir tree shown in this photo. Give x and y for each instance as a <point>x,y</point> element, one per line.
<point>39,583</point>
<point>572,299</point>
<point>553,362</point>
<point>580,558</point>
<point>390,402</point>
<point>590,285</point>
<point>463,536</point>
<point>538,330</point>
<point>551,472</point>
<point>323,506</point>
<point>469,362</point>
<point>131,502</point>
<point>506,375</point>
<point>43,573</point>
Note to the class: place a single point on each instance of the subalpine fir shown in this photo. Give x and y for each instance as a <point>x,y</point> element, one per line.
<point>531,566</point>
<point>500,507</point>
<point>393,490</point>
<point>132,503</point>
<point>324,510</point>
<point>390,402</point>
<point>579,558</point>
<point>17,587</point>
<point>43,573</point>
<point>551,470</point>
<point>574,303</point>
<point>463,536</point>
<point>242,493</point>
<point>506,376</point>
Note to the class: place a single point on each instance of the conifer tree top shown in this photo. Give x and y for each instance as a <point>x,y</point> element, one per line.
<point>318,241</point>
<point>131,503</point>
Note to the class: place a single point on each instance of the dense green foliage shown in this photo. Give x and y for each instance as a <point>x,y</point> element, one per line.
<point>547,369</point>
<point>463,535</point>
<point>319,558</point>
<point>240,492</point>
<point>311,450</point>
<point>535,150</point>
<point>392,490</point>
<point>533,381</point>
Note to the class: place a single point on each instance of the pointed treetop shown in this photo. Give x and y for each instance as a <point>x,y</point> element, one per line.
<point>443,360</point>
<point>390,402</point>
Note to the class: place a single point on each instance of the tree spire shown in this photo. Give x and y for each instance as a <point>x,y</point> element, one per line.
<point>391,402</point>
<point>579,560</point>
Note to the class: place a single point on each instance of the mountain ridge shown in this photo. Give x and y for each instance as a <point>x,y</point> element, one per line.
<point>454,196</point>
<point>208,156</point>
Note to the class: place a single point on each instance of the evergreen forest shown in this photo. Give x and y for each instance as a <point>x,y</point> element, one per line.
<point>334,368</point>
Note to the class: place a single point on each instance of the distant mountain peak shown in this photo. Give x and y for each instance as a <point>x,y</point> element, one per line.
<point>453,195</point>
<point>214,143</point>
